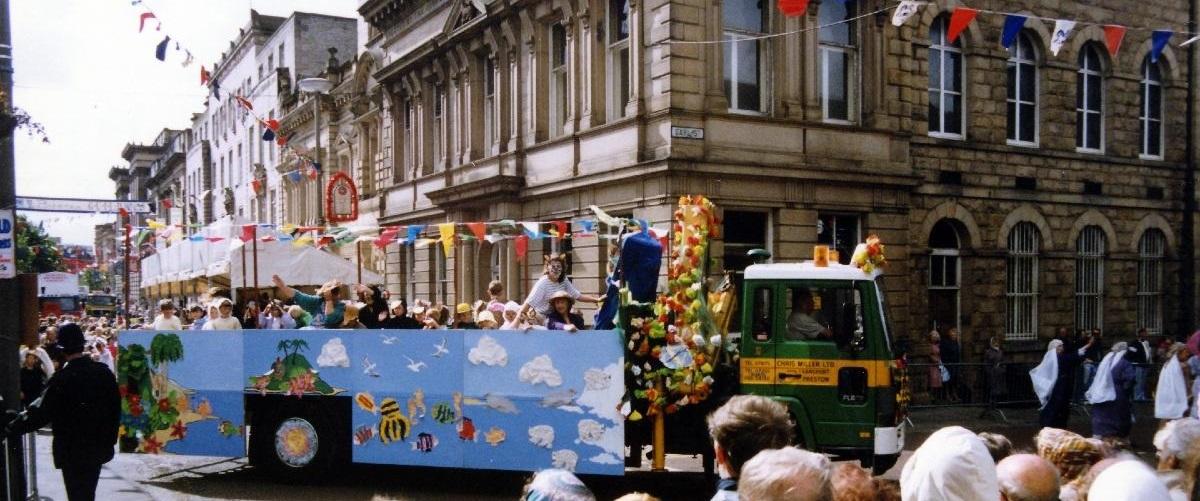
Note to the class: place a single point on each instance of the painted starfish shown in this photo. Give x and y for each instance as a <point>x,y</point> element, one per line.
<point>151,446</point>
<point>178,430</point>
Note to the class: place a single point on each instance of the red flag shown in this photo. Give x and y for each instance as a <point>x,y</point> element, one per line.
<point>562,228</point>
<point>959,20</point>
<point>281,140</point>
<point>244,102</point>
<point>166,203</point>
<point>121,212</point>
<point>215,239</point>
<point>522,247</point>
<point>205,76</point>
<point>248,232</point>
<point>478,229</point>
<point>273,124</point>
<point>142,21</point>
<point>324,241</point>
<point>312,173</point>
<point>257,185</point>
<point>268,238</point>
<point>387,236</point>
<point>1113,36</point>
<point>793,8</point>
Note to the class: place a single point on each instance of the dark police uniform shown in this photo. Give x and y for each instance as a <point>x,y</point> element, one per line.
<point>82,402</point>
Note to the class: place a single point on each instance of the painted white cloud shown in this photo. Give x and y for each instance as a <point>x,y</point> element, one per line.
<point>333,354</point>
<point>565,459</point>
<point>540,370</point>
<point>601,397</point>
<point>542,436</point>
<point>488,352</point>
<point>611,440</point>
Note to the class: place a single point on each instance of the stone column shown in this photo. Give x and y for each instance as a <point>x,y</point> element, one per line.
<point>587,71</point>
<point>636,59</point>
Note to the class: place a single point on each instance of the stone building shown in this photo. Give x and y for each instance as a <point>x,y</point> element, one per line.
<point>167,176</point>
<point>1007,211</point>
<point>228,157</point>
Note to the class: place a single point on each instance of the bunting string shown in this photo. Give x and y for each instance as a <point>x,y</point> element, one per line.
<point>907,8</point>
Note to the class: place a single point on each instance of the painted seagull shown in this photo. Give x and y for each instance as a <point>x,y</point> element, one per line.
<point>441,349</point>
<point>414,365</point>
<point>369,368</point>
<point>389,339</point>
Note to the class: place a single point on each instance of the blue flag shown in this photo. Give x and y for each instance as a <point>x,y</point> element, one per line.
<point>160,52</point>
<point>588,225</point>
<point>1012,26</point>
<point>413,232</point>
<point>1159,42</point>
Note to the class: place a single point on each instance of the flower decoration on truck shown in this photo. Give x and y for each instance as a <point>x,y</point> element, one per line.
<point>672,344</point>
<point>869,255</point>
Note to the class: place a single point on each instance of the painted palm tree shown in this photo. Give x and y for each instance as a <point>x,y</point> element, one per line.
<point>164,349</point>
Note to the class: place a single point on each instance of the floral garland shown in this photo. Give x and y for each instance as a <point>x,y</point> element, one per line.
<point>673,341</point>
<point>869,255</point>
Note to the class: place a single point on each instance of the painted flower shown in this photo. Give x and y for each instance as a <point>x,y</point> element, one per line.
<point>151,446</point>
<point>178,430</point>
<point>164,405</point>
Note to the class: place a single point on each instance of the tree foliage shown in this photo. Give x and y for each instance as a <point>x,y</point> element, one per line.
<point>36,252</point>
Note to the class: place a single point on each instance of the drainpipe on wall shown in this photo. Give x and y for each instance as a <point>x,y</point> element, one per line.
<point>1187,241</point>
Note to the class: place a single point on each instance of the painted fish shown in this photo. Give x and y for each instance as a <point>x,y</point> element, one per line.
<point>500,403</point>
<point>494,436</point>
<point>227,429</point>
<point>365,402</point>
<point>558,398</point>
<point>442,413</point>
<point>363,434</point>
<point>393,425</point>
<point>425,442</point>
<point>466,429</point>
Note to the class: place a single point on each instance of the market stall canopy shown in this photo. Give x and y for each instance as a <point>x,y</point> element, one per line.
<point>297,266</point>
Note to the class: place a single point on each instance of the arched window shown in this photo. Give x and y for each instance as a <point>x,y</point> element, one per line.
<point>838,60</point>
<point>945,82</point>
<point>945,272</point>
<point>1089,102</point>
<point>1022,92</point>
<point>1151,249</point>
<point>1089,278</point>
<point>1150,118</point>
<point>1024,242</point>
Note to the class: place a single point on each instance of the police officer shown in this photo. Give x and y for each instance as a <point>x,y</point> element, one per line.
<point>82,403</point>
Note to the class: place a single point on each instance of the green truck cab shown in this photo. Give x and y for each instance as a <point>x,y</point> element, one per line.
<point>817,340</point>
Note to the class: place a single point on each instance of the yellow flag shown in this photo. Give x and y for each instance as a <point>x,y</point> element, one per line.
<point>289,228</point>
<point>302,241</point>
<point>155,225</point>
<point>447,232</point>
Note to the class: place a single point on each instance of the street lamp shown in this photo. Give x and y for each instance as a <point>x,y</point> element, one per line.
<point>317,87</point>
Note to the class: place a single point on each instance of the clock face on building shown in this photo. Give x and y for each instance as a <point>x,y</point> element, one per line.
<point>341,198</point>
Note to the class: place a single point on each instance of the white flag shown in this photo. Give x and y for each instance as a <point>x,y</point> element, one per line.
<point>1062,31</point>
<point>905,10</point>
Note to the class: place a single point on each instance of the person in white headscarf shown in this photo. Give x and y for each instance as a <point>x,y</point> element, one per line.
<point>1171,397</point>
<point>952,465</point>
<point>1051,382</point>
<point>1128,480</point>
<point>1176,447</point>
<point>1112,411</point>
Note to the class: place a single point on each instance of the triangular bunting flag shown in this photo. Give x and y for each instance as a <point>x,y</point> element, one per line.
<point>244,102</point>
<point>1113,35</point>
<point>122,212</point>
<point>187,58</point>
<point>267,238</point>
<point>387,236</point>
<point>1159,41</point>
<point>256,185</point>
<point>1190,41</point>
<point>196,238</point>
<point>301,241</point>
<point>793,8</point>
<point>413,232</point>
<point>165,203</point>
<point>1012,27</point>
<point>446,230</point>
<point>588,226</point>
<point>281,140</point>
<point>142,20</point>
<point>562,228</point>
<point>522,247</point>
<point>273,124</point>
<point>959,20</point>
<point>1062,31</point>
<point>532,230</point>
<point>905,10</point>
<point>248,232</point>
<point>160,52</point>
<point>479,229</point>
<point>423,243</point>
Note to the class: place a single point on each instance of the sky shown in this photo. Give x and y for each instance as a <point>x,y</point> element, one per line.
<point>83,71</point>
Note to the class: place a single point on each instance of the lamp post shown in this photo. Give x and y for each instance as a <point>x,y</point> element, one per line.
<point>317,87</point>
